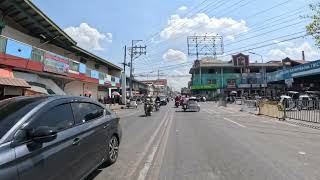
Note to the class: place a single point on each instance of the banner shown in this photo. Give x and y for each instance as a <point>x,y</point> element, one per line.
<point>18,49</point>
<point>55,64</point>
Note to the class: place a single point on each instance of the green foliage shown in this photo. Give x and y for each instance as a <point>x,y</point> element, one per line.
<point>314,27</point>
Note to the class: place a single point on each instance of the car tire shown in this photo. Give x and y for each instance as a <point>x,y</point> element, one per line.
<point>113,151</point>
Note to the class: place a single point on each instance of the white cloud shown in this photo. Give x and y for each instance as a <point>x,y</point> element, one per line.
<point>174,55</point>
<point>179,82</point>
<point>183,8</point>
<point>88,37</point>
<point>201,24</point>
<point>294,51</point>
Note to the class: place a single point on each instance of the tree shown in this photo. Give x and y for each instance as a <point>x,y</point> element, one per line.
<point>313,28</point>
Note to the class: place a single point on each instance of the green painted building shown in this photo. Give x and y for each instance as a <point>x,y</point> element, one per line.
<point>238,76</point>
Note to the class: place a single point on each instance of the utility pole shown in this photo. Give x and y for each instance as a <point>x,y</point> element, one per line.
<point>135,52</point>
<point>124,78</point>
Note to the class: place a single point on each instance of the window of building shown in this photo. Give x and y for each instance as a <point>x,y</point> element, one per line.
<point>86,112</point>
<point>74,66</point>
<point>211,71</point>
<point>231,82</point>
<point>59,118</point>
<point>212,81</point>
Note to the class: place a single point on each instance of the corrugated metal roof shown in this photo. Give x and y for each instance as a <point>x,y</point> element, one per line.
<point>14,82</point>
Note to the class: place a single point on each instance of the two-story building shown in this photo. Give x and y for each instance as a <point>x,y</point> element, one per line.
<point>39,55</point>
<point>237,76</point>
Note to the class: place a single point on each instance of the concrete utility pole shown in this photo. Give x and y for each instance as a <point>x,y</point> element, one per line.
<point>135,52</point>
<point>124,78</point>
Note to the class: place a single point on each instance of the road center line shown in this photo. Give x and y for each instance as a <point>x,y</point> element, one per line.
<point>157,163</point>
<point>234,122</point>
<point>133,169</point>
<point>148,163</point>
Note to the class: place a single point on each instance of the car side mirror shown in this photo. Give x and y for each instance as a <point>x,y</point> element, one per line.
<point>43,134</point>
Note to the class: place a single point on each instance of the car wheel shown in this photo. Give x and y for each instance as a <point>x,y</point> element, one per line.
<point>113,152</point>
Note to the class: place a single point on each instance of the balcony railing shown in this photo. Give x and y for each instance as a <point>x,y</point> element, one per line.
<point>222,80</point>
<point>53,63</point>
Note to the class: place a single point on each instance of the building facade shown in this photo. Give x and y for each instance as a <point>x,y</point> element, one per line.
<point>237,76</point>
<point>34,49</point>
<point>160,86</point>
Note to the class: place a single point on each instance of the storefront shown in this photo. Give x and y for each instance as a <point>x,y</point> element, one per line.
<point>11,87</point>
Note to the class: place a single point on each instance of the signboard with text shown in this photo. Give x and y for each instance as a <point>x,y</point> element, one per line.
<point>55,64</point>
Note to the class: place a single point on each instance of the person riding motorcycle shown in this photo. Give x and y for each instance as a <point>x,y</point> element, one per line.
<point>157,103</point>
<point>148,105</point>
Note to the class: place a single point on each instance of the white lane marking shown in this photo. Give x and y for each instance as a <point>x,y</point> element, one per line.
<point>302,153</point>
<point>234,122</point>
<point>133,169</point>
<point>156,166</point>
<point>144,171</point>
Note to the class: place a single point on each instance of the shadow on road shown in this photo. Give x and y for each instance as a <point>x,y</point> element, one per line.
<point>96,172</point>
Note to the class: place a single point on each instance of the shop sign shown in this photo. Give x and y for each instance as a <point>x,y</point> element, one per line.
<point>55,64</point>
<point>205,87</point>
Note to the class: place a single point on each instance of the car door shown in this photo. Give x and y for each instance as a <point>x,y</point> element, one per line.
<point>51,160</point>
<point>91,120</point>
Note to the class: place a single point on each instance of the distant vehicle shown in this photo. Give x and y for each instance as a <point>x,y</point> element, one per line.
<point>191,106</point>
<point>306,102</point>
<point>293,94</point>
<point>131,104</point>
<point>163,100</point>
<point>148,106</point>
<point>56,137</point>
<point>287,102</point>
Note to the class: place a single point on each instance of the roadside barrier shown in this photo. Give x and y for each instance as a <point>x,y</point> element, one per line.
<point>271,109</point>
<point>304,110</point>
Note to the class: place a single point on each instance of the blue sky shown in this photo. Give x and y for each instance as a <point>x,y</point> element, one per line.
<point>117,22</point>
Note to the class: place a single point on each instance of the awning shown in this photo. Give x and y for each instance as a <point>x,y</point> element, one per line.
<point>14,82</point>
<point>38,89</point>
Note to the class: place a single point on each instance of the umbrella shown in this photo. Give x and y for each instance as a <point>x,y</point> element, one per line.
<point>115,93</point>
<point>87,92</point>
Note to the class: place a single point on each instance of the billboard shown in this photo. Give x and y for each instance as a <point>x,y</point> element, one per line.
<point>55,64</point>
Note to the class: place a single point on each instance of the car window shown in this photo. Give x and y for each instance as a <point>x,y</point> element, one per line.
<point>58,118</point>
<point>86,111</point>
<point>12,110</point>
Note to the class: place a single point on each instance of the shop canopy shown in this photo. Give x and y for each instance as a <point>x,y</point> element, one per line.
<point>16,82</point>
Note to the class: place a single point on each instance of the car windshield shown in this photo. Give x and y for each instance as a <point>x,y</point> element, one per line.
<point>12,110</point>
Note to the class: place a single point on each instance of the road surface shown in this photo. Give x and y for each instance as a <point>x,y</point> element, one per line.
<point>216,143</point>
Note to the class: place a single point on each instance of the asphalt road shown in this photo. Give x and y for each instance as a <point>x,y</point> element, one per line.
<point>216,143</point>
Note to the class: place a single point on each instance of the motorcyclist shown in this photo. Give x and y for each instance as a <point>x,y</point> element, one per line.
<point>185,100</point>
<point>158,99</point>
<point>148,101</point>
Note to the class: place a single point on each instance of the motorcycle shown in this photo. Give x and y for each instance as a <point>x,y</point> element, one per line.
<point>157,105</point>
<point>184,107</point>
<point>177,104</point>
<point>148,109</point>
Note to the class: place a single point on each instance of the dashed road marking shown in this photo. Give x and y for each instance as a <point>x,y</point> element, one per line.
<point>302,153</point>
<point>234,122</point>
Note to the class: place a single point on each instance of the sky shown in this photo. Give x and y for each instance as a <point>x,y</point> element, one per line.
<point>105,27</point>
